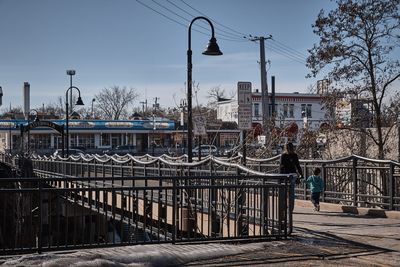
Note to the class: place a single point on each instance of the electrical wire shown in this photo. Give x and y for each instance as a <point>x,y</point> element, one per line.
<point>181,17</point>
<point>213,20</point>
<point>230,35</point>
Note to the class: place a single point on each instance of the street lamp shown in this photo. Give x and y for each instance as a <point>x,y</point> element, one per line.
<point>70,73</point>
<point>36,116</point>
<point>212,49</point>
<point>93,100</point>
<point>1,96</point>
<point>398,137</point>
<point>79,102</point>
<point>29,132</point>
<point>182,107</point>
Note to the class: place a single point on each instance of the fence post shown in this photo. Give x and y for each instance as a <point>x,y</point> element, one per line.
<point>391,186</point>
<point>40,211</point>
<point>355,182</point>
<point>323,173</point>
<point>174,209</point>
<point>305,173</point>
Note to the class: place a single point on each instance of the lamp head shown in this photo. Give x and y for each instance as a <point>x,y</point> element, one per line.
<point>79,102</point>
<point>212,48</point>
<point>71,72</point>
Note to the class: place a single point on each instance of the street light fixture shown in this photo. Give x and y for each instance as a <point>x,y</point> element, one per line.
<point>211,50</point>
<point>79,102</point>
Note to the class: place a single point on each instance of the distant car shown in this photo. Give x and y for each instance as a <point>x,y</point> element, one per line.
<point>72,151</point>
<point>231,151</point>
<point>122,150</point>
<point>205,150</point>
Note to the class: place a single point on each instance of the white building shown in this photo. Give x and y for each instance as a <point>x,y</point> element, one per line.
<point>303,109</point>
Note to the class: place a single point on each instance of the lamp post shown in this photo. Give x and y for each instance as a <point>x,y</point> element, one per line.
<point>398,137</point>
<point>182,107</point>
<point>1,96</point>
<point>29,132</point>
<point>211,50</point>
<point>79,102</point>
<point>93,100</point>
<point>70,73</point>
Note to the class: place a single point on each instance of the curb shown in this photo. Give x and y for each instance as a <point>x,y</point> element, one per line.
<point>376,213</point>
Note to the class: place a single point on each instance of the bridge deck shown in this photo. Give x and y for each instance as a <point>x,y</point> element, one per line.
<point>319,239</point>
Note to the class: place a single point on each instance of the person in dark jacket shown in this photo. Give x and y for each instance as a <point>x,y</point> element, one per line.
<point>289,164</point>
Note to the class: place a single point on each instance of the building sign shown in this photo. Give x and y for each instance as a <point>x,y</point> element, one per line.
<point>80,124</point>
<point>7,124</point>
<point>244,105</point>
<point>35,124</point>
<point>199,125</point>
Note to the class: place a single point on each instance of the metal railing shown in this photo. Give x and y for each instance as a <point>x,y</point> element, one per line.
<point>95,201</point>
<point>353,180</point>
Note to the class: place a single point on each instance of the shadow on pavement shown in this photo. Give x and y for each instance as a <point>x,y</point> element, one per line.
<point>306,247</point>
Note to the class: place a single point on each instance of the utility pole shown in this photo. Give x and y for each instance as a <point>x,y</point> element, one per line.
<point>155,106</point>
<point>264,86</point>
<point>144,103</point>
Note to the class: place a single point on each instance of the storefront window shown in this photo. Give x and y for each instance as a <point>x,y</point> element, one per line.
<point>39,141</point>
<point>105,139</point>
<point>86,140</point>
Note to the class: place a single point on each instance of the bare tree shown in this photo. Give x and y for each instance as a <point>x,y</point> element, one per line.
<point>114,101</point>
<point>356,45</point>
<point>215,94</point>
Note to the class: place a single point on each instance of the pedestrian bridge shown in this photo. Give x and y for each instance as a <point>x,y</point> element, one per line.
<point>100,200</point>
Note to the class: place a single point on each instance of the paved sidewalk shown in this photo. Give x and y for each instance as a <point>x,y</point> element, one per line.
<point>326,238</point>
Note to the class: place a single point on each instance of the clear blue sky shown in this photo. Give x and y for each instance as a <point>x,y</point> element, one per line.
<point>124,43</point>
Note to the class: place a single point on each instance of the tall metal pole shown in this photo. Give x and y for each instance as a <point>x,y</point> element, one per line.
<point>398,138</point>
<point>70,73</point>
<point>70,93</point>
<point>66,122</point>
<point>189,98</point>
<point>264,85</point>
<point>264,88</point>
<point>79,102</point>
<point>93,100</point>
<point>212,50</point>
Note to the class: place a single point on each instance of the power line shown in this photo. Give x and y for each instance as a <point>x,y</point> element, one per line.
<point>288,48</point>
<point>216,28</point>
<point>290,56</point>
<point>180,23</point>
<point>213,20</point>
<point>277,47</point>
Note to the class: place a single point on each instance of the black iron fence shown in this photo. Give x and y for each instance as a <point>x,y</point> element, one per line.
<point>353,180</point>
<point>95,201</point>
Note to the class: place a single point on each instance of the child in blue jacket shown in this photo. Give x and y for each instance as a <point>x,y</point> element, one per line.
<point>316,186</point>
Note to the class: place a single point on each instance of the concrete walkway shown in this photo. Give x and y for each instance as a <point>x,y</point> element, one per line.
<point>325,238</point>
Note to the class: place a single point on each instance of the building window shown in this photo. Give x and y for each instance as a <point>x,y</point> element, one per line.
<point>86,140</point>
<point>105,139</point>
<point>291,110</point>
<point>270,109</point>
<point>39,141</point>
<point>285,110</point>
<point>306,110</point>
<point>256,110</point>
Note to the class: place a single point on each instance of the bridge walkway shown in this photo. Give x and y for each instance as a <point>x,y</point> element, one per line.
<point>325,238</point>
